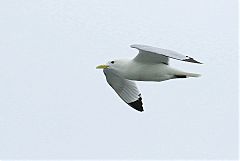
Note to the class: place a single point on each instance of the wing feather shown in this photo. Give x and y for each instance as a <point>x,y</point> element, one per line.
<point>126,89</point>
<point>149,54</point>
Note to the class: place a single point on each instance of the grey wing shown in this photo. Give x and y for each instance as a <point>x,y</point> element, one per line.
<point>149,54</point>
<point>126,89</point>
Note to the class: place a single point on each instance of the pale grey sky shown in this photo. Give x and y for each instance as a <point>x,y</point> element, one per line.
<point>54,104</point>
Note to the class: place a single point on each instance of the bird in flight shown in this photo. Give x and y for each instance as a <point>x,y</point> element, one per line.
<point>151,64</point>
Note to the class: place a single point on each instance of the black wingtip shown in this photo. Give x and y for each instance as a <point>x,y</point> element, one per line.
<point>192,60</point>
<point>137,105</point>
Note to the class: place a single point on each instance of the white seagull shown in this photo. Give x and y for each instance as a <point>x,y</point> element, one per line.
<point>151,64</point>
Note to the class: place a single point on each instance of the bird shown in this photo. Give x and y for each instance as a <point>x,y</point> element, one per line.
<point>150,64</point>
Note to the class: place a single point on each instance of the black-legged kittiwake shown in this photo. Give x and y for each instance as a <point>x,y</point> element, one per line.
<point>151,64</point>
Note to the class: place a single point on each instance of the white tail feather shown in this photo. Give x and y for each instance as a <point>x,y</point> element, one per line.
<point>192,75</point>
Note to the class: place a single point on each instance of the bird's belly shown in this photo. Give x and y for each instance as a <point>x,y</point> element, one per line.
<point>159,72</point>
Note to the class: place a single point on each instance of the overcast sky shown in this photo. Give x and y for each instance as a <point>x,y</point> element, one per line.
<point>54,104</point>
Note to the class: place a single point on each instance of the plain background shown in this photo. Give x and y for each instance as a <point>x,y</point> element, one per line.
<point>54,104</point>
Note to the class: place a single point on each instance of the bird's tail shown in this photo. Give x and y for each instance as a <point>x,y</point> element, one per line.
<point>182,74</point>
<point>193,75</point>
<point>186,75</point>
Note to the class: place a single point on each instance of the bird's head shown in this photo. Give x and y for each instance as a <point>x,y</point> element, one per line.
<point>114,64</point>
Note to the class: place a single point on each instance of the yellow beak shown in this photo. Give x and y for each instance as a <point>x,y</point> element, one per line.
<point>102,66</point>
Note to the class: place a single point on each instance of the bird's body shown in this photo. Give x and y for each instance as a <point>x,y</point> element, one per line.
<point>151,64</point>
<point>136,71</point>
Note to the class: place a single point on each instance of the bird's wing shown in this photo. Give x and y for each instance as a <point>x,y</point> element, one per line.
<point>126,89</point>
<point>148,54</point>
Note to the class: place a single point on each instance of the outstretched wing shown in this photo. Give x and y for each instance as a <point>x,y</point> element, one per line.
<point>126,89</point>
<point>148,54</point>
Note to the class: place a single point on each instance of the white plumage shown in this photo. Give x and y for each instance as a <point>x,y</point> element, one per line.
<point>151,64</point>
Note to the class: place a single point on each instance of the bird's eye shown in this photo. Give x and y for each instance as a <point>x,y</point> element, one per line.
<point>112,62</point>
